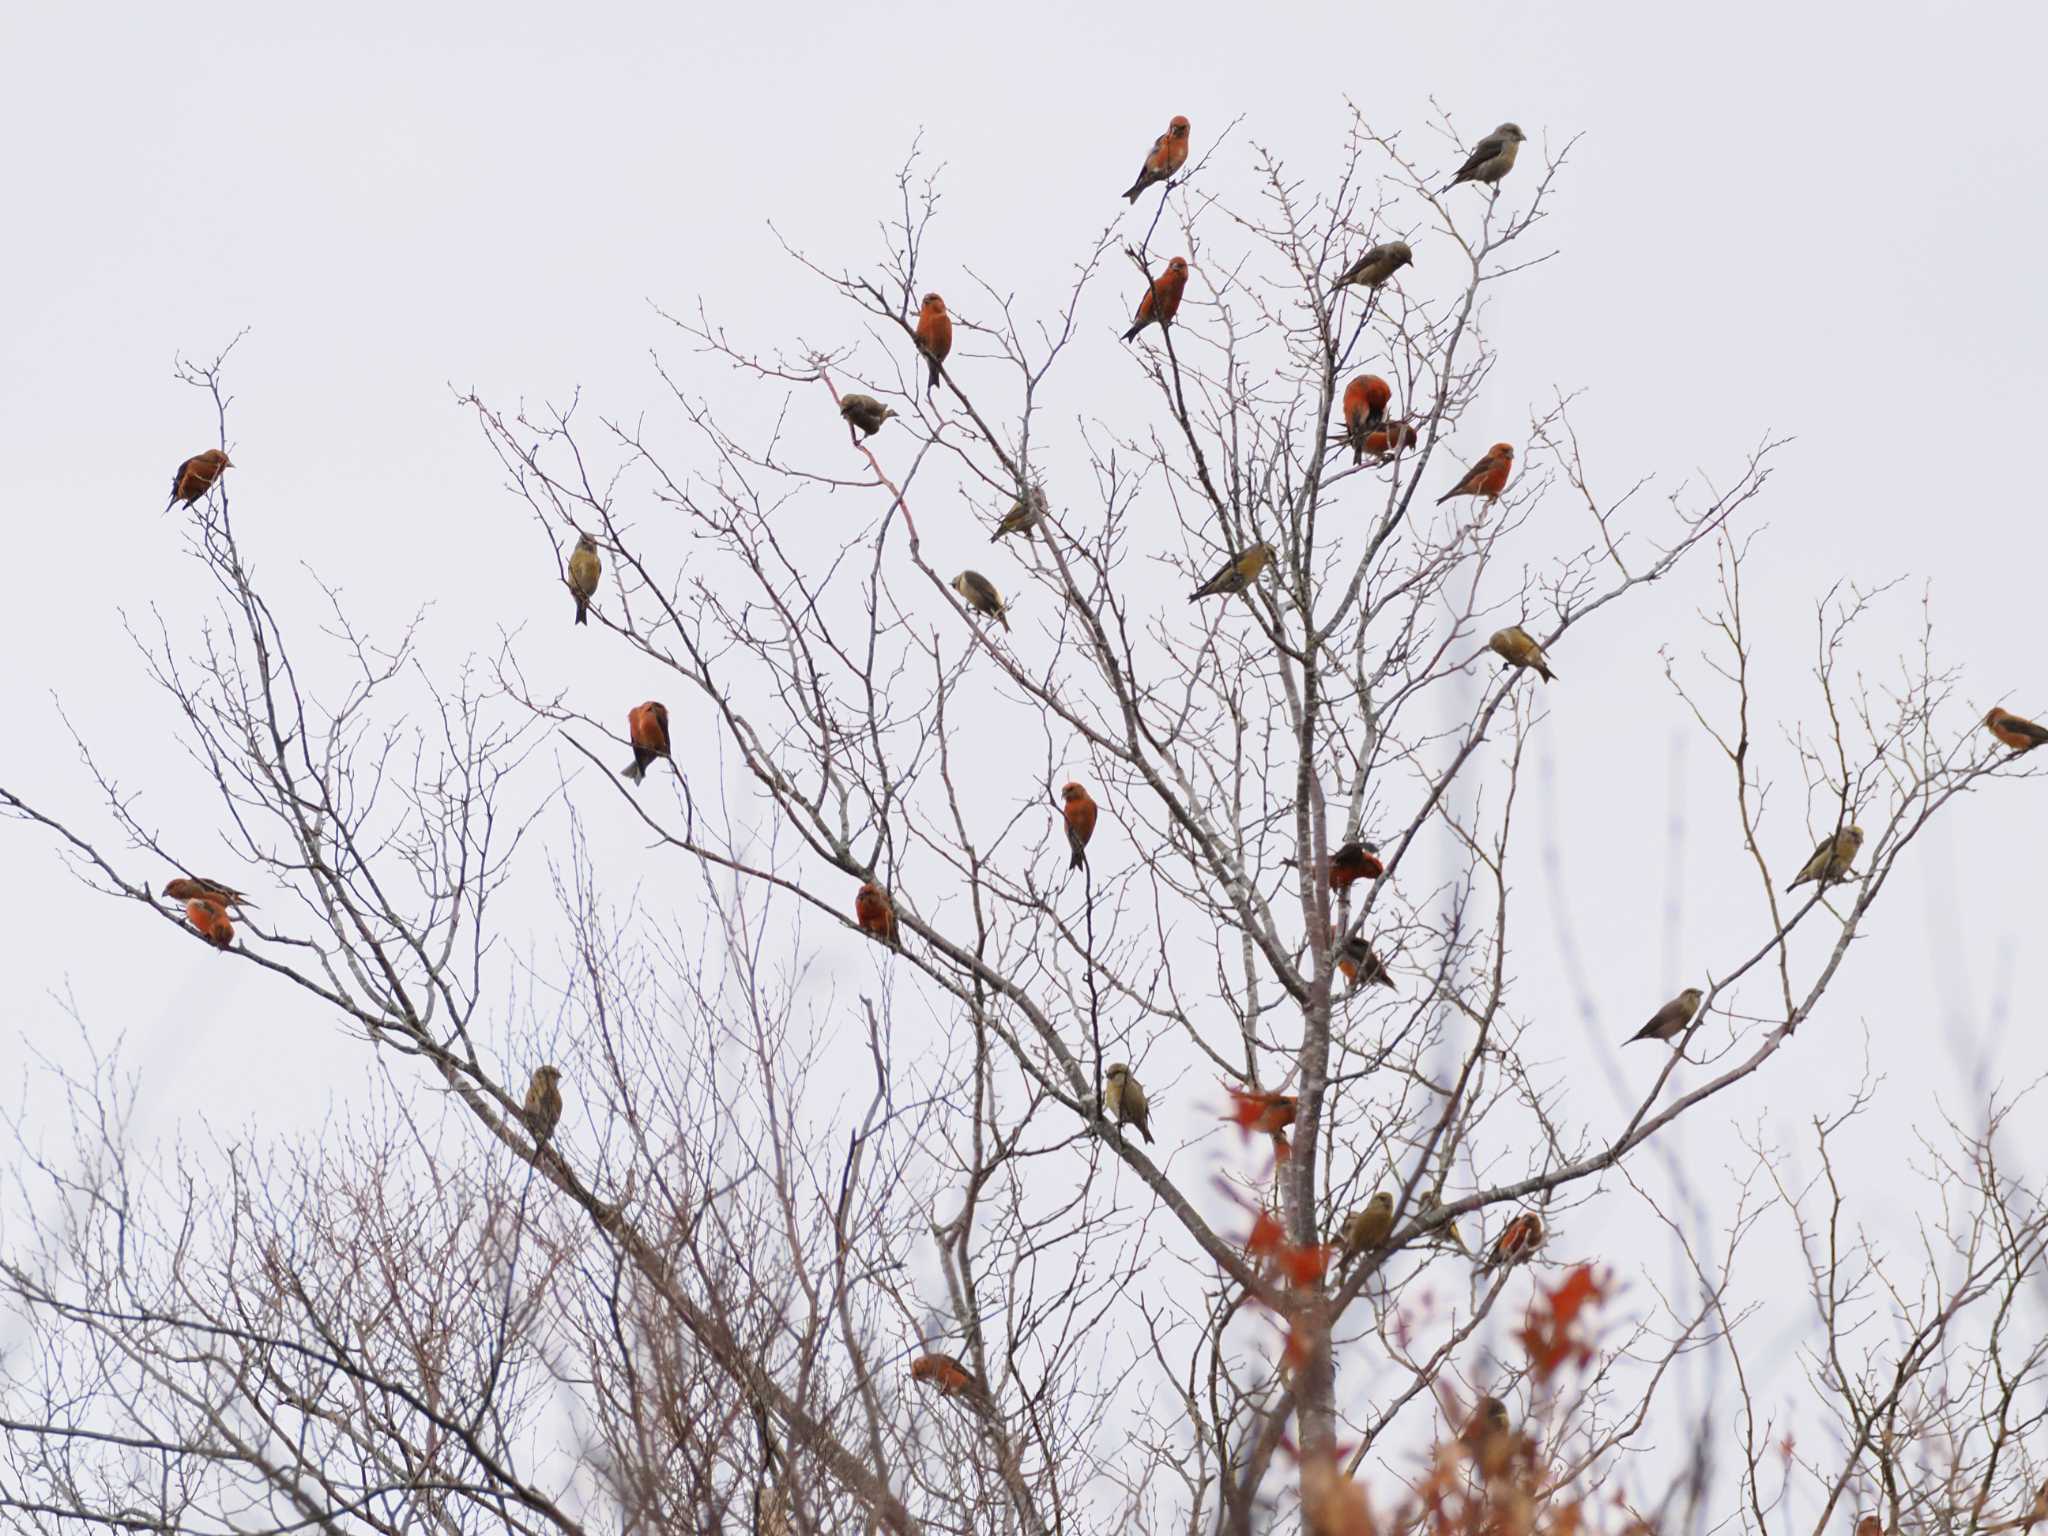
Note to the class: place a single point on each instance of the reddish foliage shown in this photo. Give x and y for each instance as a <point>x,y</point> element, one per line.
<point>1554,1332</point>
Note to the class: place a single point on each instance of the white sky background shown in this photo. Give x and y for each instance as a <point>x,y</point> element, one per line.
<point>1776,223</point>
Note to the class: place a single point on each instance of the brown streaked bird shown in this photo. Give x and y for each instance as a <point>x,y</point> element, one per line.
<point>1366,1230</point>
<point>1365,410</point>
<point>1360,967</point>
<point>647,729</point>
<point>980,594</point>
<point>1239,574</point>
<point>1831,860</point>
<point>1669,1022</point>
<point>1162,300</point>
<point>543,1108</point>
<point>1169,154</point>
<point>1024,514</point>
<point>1078,810</point>
<point>1488,477</point>
<point>1377,265</point>
<point>584,570</point>
<point>863,414</point>
<point>1395,438</point>
<point>1353,862</point>
<point>1518,648</point>
<point>875,912</point>
<point>2020,734</point>
<point>195,477</point>
<point>1491,158</point>
<point>948,1375</point>
<point>934,335</point>
<point>191,888</point>
<point>1125,1101</point>
<point>210,921</point>
<point>1521,1237</point>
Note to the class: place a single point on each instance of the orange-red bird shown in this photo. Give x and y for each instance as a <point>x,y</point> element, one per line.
<point>947,1374</point>
<point>876,914</point>
<point>934,335</point>
<point>1355,861</point>
<point>1394,437</point>
<point>1169,154</point>
<point>2021,735</point>
<point>195,477</point>
<point>1488,478</point>
<point>1522,1236</point>
<point>1080,818</point>
<point>647,726</point>
<point>1162,300</point>
<point>1365,408</point>
<point>223,896</point>
<point>1870,1525</point>
<point>1271,1113</point>
<point>210,922</point>
<point>1360,967</point>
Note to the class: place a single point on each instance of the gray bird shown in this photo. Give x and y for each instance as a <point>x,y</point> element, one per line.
<point>1669,1022</point>
<point>1125,1100</point>
<point>1023,515</point>
<point>1831,860</point>
<point>864,412</point>
<point>1491,158</point>
<point>980,594</point>
<point>1378,264</point>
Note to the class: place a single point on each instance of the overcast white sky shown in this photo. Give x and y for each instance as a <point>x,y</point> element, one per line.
<point>1779,220</point>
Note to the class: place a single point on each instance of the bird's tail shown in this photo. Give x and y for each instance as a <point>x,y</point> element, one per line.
<point>1132,195</point>
<point>1447,495</point>
<point>636,770</point>
<point>1543,671</point>
<point>1079,860</point>
<point>582,611</point>
<point>1145,1132</point>
<point>1131,334</point>
<point>1003,618</point>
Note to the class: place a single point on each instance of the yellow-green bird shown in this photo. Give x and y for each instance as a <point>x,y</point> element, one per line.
<point>1125,1100</point>
<point>1024,514</point>
<point>1518,648</point>
<point>864,414</point>
<point>1669,1022</point>
<point>1831,860</point>
<point>980,594</point>
<point>584,570</point>
<point>543,1109</point>
<point>1239,574</point>
<point>1365,1230</point>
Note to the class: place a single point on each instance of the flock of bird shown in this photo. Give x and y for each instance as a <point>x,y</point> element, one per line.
<point>1369,433</point>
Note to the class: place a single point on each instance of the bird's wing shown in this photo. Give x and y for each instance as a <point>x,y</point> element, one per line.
<point>1482,152</point>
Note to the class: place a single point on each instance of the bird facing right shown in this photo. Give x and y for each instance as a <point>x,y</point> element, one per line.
<point>1669,1022</point>
<point>1491,158</point>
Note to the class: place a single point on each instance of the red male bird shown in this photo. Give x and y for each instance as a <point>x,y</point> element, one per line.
<point>1365,408</point>
<point>2020,734</point>
<point>1353,862</point>
<point>210,922</point>
<point>876,914</point>
<point>1080,817</point>
<point>195,477</point>
<point>1394,437</point>
<point>1488,478</point>
<point>1522,1236</point>
<point>1162,300</point>
<point>647,727</point>
<point>947,1374</point>
<point>934,335</point>
<point>1169,154</point>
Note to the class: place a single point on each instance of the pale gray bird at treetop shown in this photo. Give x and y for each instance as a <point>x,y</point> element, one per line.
<point>980,594</point>
<point>1831,860</point>
<point>1378,264</point>
<point>1125,1100</point>
<point>1669,1022</point>
<point>1491,158</point>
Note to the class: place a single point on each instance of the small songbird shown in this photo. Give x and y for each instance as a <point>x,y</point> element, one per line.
<point>1365,1230</point>
<point>864,413</point>
<point>1870,1525</point>
<point>1365,410</point>
<point>1831,860</point>
<point>1491,158</point>
<point>1489,1421</point>
<point>947,1374</point>
<point>1125,1101</point>
<point>1078,810</point>
<point>647,728</point>
<point>1360,967</point>
<point>195,477</point>
<point>1396,437</point>
<point>980,594</point>
<point>1377,265</point>
<point>210,921</point>
<point>1353,862</point>
<point>2021,735</point>
<point>584,570</point>
<point>195,889</point>
<point>934,335</point>
<point>1272,1113</point>
<point>1239,574</point>
<point>1522,1236</point>
<point>875,912</point>
<point>1162,300</point>
<point>543,1109</point>
<point>1426,1205</point>
<point>1169,154</point>
<point>1518,648</point>
<point>1024,514</point>
<point>1488,477</point>
<point>1669,1022</point>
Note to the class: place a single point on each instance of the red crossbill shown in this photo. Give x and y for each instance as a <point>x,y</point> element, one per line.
<point>1365,410</point>
<point>934,335</point>
<point>876,914</point>
<point>1488,477</point>
<point>1162,300</point>
<point>192,889</point>
<point>1078,811</point>
<point>2021,735</point>
<point>210,922</point>
<point>647,729</point>
<point>1353,862</point>
<point>947,1374</point>
<point>195,477</point>
<point>1169,154</point>
<point>1521,1237</point>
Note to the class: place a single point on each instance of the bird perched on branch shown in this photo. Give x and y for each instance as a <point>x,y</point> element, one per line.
<point>1365,409</point>
<point>1078,810</point>
<point>1162,300</point>
<point>1491,158</point>
<point>1518,648</point>
<point>1488,477</point>
<point>1396,437</point>
<point>1365,1230</point>
<point>195,477</point>
<point>934,335</point>
<point>1831,860</point>
<point>1024,514</point>
<point>1360,967</point>
<point>189,888</point>
<point>1353,862</point>
<point>1520,1238</point>
<point>543,1108</point>
<point>1669,1022</point>
<point>875,912</point>
<point>1169,154</point>
<point>1489,1438</point>
<point>2021,735</point>
<point>210,921</point>
<point>980,594</point>
<point>1377,265</point>
<point>948,1375</point>
<point>863,414</point>
<point>1239,574</point>
<point>1125,1101</point>
<point>584,570</point>
<point>647,729</point>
